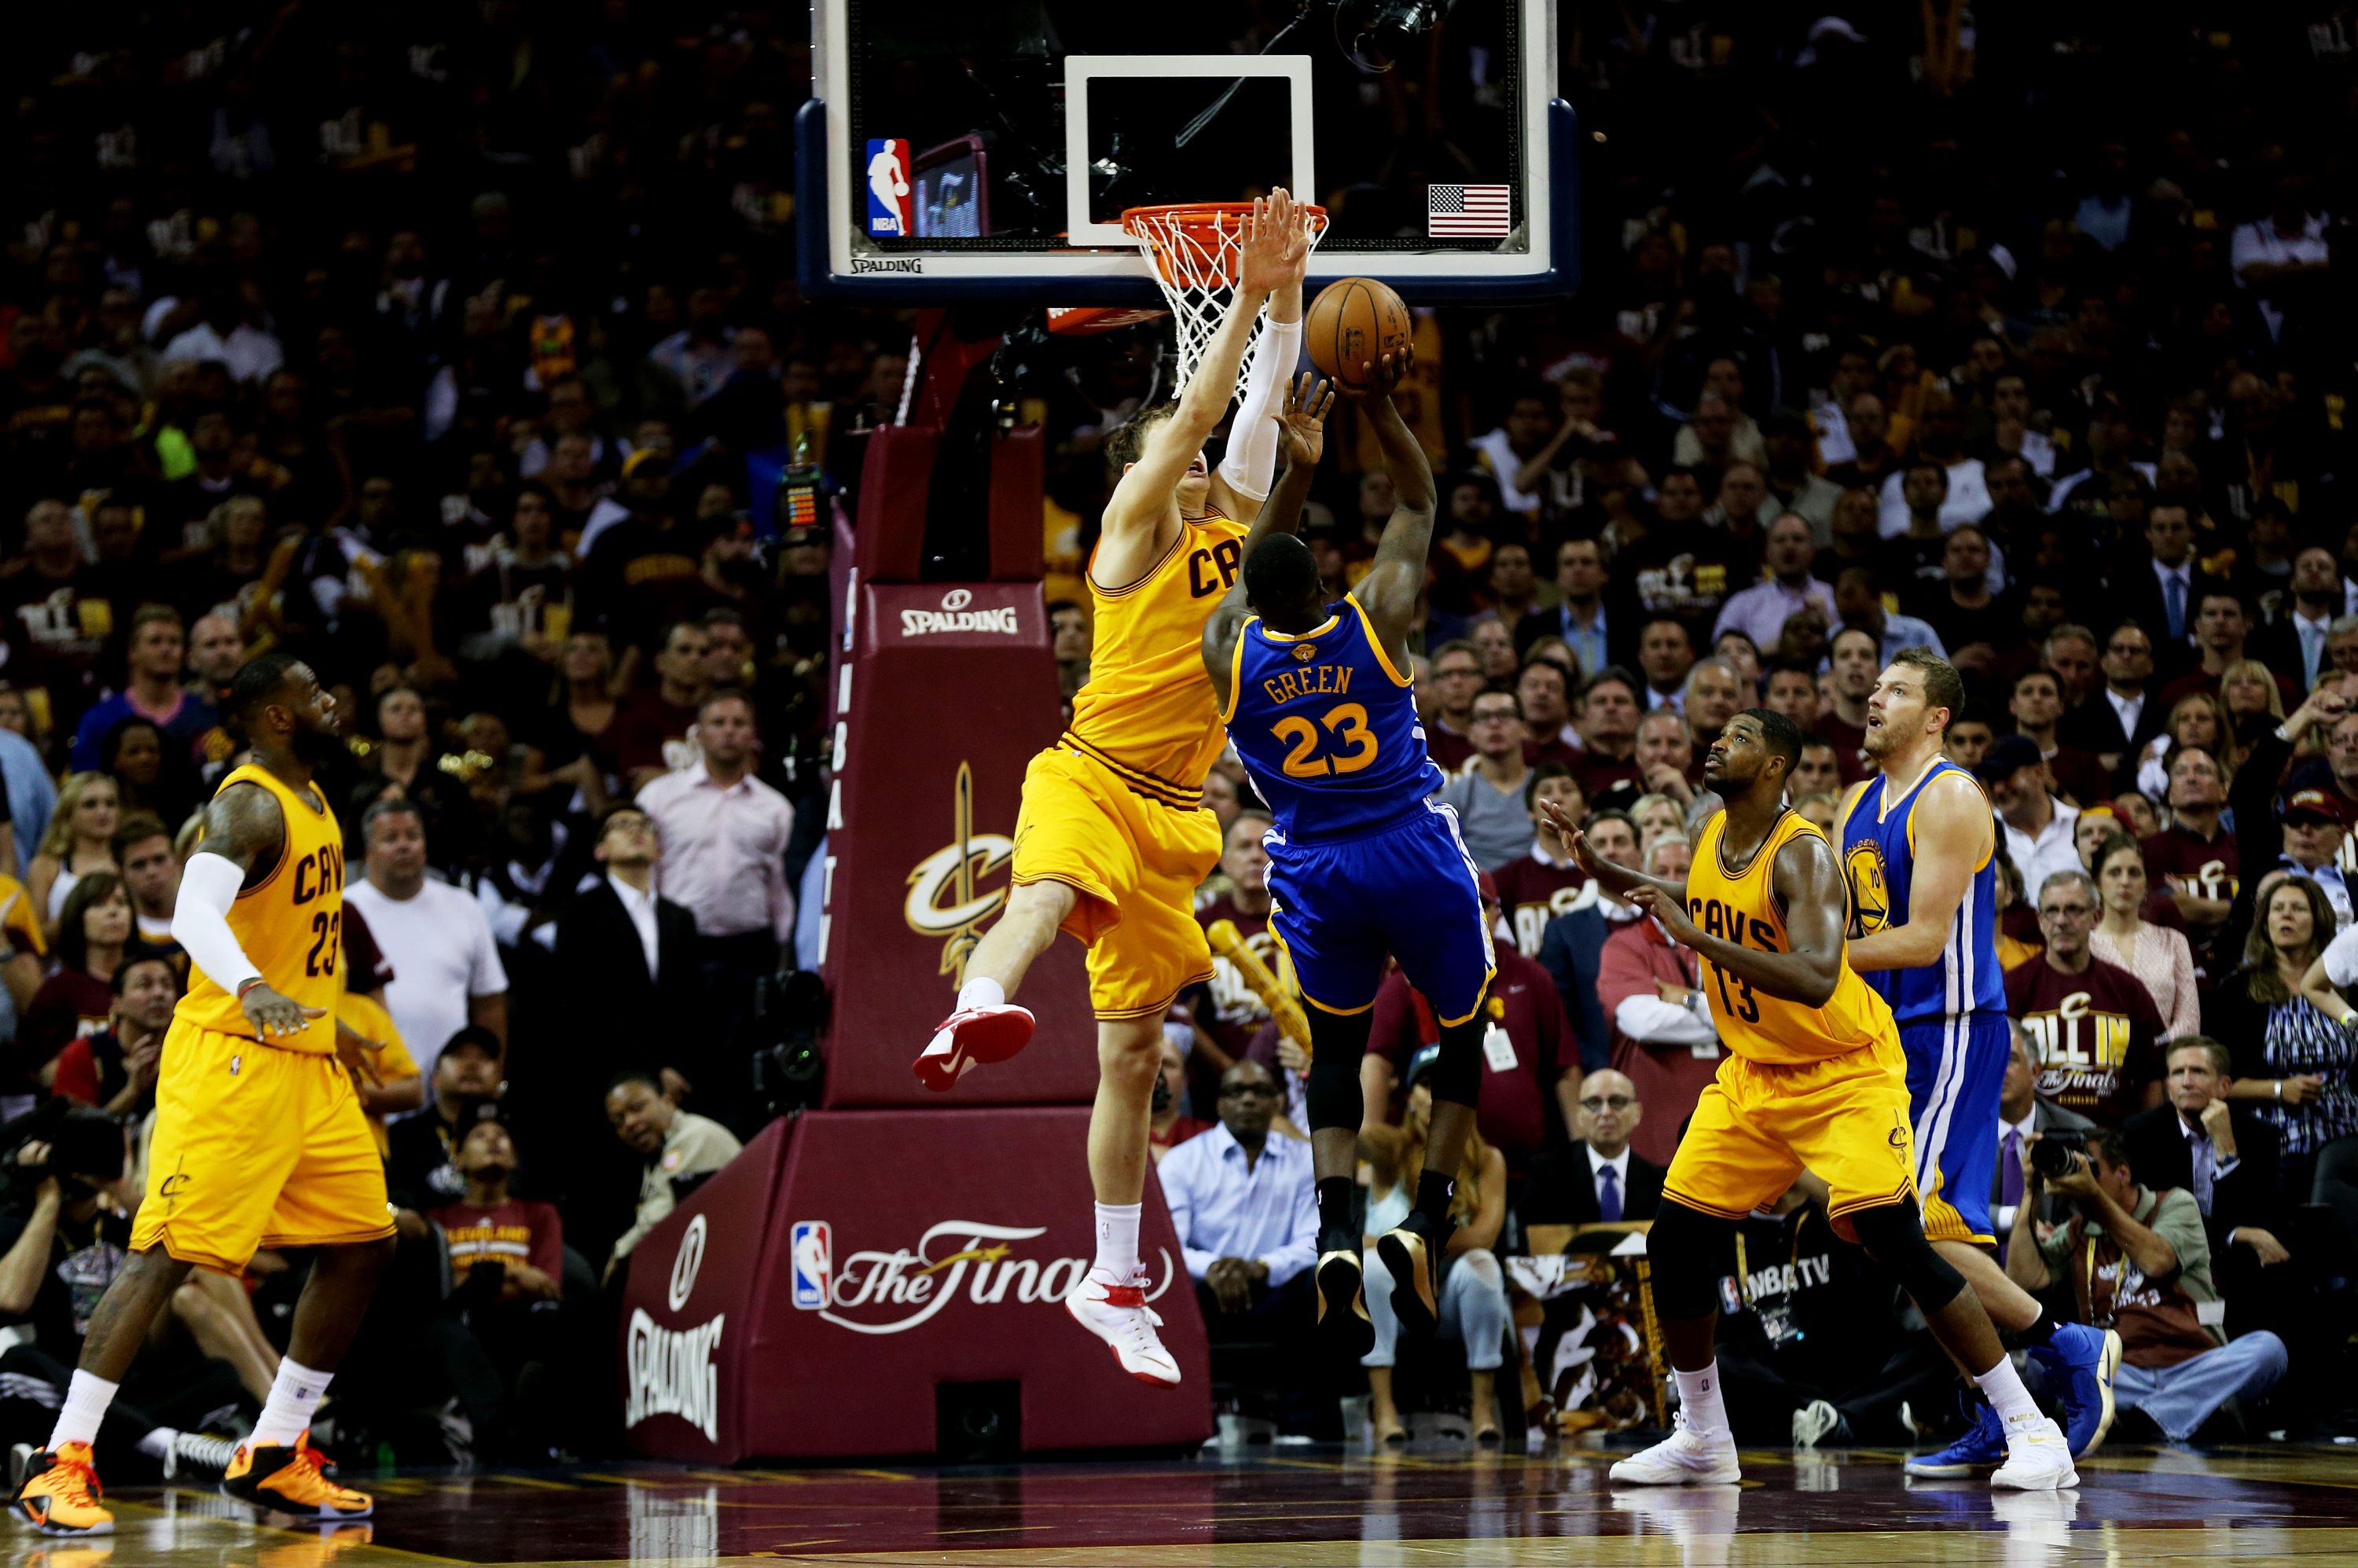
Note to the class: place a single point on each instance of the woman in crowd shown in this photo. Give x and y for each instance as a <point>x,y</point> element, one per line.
<point>147,776</point>
<point>1657,815</point>
<point>2292,1061</point>
<point>92,932</point>
<point>81,840</point>
<point>2254,706</point>
<point>2154,953</point>
<point>1473,1287</point>
<point>2198,719</point>
<point>576,738</point>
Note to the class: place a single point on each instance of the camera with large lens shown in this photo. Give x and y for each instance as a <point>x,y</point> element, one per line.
<point>83,1142</point>
<point>2052,1155</point>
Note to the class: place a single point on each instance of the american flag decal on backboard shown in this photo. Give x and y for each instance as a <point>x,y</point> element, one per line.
<point>1459,212</point>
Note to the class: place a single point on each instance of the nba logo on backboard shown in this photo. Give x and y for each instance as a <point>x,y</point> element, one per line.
<point>891,213</point>
<point>813,1260</point>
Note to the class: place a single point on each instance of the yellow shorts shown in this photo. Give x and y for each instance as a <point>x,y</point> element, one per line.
<point>256,1147</point>
<point>1135,863</point>
<point>1758,1124</point>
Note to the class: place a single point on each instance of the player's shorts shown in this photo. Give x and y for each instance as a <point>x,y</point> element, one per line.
<point>1408,892</point>
<point>1760,1124</point>
<point>1135,864</point>
<point>1955,1069</point>
<point>255,1146</point>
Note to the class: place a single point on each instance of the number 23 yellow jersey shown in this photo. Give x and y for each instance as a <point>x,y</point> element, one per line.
<point>290,923</point>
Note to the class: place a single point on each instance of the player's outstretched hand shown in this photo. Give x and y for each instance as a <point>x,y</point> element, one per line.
<point>1301,423</point>
<point>274,1012</point>
<point>1647,899</point>
<point>1276,245</point>
<point>1575,840</point>
<point>1379,375</point>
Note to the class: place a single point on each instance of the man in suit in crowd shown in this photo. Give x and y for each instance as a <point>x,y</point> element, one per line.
<point>2021,1113</point>
<point>1600,1177</point>
<point>2225,1156</point>
<point>2164,593</point>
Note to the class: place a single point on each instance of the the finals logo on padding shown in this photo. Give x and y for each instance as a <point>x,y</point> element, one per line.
<point>1870,897</point>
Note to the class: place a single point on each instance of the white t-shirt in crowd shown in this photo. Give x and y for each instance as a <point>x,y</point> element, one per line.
<point>440,944</point>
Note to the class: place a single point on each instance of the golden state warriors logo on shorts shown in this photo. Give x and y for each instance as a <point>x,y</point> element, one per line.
<point>1870,898</point>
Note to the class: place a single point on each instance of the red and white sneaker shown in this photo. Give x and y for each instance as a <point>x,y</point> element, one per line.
<point>969,1037</point>
<point>1118,1313</point>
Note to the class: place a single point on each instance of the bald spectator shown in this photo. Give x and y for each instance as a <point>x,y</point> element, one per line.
<point>1600,1178</point>
<point>722,834</point>
<point>1714,694</point>
<point>446,966</point>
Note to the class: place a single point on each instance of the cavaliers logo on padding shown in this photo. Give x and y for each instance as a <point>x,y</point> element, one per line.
<point>1870,898</point>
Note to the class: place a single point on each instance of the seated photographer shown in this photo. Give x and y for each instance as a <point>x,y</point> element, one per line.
<point>2225,1156</point>
<point>1473,1287</point>
<point>2021,1113</point>
<point>2138,1262</point>
<point>114,1069</point>
<point>1246,1212</point>
<point>1818,1354</point>
<point>67,1232</point>
<point>675,1144</point>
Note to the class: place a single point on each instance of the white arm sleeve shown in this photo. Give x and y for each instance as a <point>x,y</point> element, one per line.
<point>208,886</point>
<point>1250,465</point>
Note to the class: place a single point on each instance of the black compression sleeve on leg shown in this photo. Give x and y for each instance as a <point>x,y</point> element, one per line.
<point>1338,1044</point>
<point>1457,1071</point>
<point>1688,1251</point>
<point>1895,1237</point>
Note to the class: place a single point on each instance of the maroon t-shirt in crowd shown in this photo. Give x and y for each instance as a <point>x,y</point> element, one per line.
<point>1522,1001</point>
<point>2096,1035</point>
<point>1446,747</point>
<point>2207,868</point>
<point>1849,741</point>
<point>1600,776</point>
<point>1533,892</point>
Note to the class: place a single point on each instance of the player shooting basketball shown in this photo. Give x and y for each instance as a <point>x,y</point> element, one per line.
<point>1113,838</point>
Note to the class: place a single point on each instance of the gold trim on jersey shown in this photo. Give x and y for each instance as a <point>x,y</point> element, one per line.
<point>1237,672</point>
<point>1368,627</point>
<point>1160,561</point>
<point>1139,781</point>
<point>1318,631</point>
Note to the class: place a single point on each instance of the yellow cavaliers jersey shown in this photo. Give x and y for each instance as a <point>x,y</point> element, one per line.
<point>1147,712</point>
<point>291,924</point>
<point>1743,909</point>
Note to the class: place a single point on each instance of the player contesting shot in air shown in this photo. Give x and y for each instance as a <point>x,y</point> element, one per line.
<point>1113,837</point>
<point>1919,851</point>
<point>1363,864</point>
<point>1815,1079</point>
<point>260,1140</point>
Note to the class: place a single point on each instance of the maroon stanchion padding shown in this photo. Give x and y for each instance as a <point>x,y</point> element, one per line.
<point>895,476</point>
<point>952,689</point>
<point>807,1299</point>
<point>1018,480</point>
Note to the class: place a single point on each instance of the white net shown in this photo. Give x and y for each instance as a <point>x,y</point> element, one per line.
<point>1194,251</point>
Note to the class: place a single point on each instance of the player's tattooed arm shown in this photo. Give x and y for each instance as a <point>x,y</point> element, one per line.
<point>1809,885</point>
<point>244,826</point>
<point>1302,439</point>
<point>1388,593</point>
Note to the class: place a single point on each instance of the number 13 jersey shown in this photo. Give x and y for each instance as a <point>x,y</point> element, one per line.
<point>1327,729</point>
<point>1742,908</point>
<point>290,923</point>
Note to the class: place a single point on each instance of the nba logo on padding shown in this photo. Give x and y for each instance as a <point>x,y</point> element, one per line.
<point>813,1251</point>
<point>891,212</point>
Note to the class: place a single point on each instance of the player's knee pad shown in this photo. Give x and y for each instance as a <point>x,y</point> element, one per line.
<point>1687,1251</point>
<point>1457,1071</point>
<point>1339,1041</point>
<point>1894,1236</point>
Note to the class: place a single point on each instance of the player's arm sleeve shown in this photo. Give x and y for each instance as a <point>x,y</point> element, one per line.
<point>1250,464</point>
<point>209,885</point>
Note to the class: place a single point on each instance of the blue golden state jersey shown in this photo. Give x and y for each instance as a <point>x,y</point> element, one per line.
<point>1327,728</point>
<point>1877,840</point>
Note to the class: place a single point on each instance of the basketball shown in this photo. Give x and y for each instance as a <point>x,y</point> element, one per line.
<point>1354,322</point>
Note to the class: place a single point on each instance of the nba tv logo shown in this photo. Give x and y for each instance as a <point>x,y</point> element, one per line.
<point>813,1254</point>
<point>892,214</point>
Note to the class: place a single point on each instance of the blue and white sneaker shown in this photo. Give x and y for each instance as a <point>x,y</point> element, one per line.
<point>2080,1362</point>
<point>1982,1447</point>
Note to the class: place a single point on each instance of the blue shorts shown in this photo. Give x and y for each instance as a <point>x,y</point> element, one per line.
<point>1955,1067</point>
<point>1408,892</point>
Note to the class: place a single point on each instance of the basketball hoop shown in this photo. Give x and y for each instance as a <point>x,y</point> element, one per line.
<point>1195,249</point>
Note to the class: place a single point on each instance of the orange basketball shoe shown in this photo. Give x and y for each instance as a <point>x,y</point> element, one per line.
<point>292,1480</point>
<point>60,1493</point>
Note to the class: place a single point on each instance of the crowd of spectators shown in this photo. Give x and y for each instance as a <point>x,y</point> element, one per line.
<point>459,350</point>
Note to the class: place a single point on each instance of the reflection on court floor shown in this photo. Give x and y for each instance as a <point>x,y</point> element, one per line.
<point>2143,1508</point>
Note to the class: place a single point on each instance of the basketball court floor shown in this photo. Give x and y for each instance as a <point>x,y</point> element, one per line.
<point>2138,1507</point>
